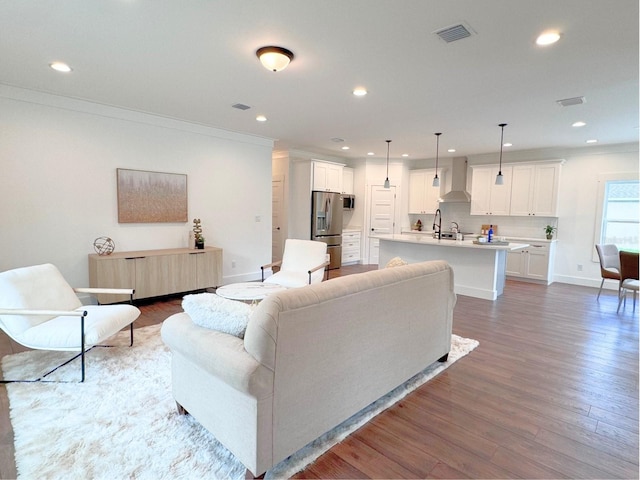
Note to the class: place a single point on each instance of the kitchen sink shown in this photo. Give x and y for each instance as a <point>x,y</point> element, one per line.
<point>450,235</point>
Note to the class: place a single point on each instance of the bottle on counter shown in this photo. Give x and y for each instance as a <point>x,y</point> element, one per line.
<point>490,234</point>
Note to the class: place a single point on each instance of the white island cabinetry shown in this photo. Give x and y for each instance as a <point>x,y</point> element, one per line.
<point>479,270</point>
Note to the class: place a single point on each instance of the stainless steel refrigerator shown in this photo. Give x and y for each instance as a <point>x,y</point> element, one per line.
<point>326,223</point>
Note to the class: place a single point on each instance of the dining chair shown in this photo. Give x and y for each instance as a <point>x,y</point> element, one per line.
<point>609,264</point>
<point>628,277</point>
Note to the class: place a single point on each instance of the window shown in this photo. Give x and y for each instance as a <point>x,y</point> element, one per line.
<point>619,203</point>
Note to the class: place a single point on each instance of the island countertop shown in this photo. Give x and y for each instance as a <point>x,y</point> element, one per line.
<point>429,240</point>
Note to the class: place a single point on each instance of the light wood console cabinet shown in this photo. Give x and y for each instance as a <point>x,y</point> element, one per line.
<point>153,273</point>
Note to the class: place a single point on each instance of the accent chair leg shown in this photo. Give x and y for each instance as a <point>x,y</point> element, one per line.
<point>181,409</point>
<point>444,358</point>
<point>250,476</point>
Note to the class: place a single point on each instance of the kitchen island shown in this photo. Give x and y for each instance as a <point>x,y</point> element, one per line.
<point>479,269</point>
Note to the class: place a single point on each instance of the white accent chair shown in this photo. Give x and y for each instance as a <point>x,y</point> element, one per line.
<point>304,262</point>
<point>38,309</point>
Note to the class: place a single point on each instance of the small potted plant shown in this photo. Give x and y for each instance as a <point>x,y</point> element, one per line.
<point>199,241</point>
<point>549,230</point>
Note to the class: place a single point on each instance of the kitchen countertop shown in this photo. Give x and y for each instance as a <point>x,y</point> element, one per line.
<point>429,240</point>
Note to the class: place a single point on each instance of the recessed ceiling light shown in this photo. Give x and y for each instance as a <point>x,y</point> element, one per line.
<point>547,38</point>
<point>60,67</point>
<point>578,124</point>
<point>261,118</point>
<point>370,154</point>
<point>507,145</point>
<point>360,92</point>
<point>405,154</point>
<point>451,150</point>
<point>593,140</point>
<point>345,148</point>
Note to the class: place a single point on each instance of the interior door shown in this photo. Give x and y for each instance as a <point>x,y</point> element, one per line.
<point>277,217</point>
<point>381,218</point>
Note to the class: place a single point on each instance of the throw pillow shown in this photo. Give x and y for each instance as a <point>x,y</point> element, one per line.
<point>208,310</point>
<point>395,262</point>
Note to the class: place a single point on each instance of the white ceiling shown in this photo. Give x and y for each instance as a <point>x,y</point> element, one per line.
<point>194,59</point>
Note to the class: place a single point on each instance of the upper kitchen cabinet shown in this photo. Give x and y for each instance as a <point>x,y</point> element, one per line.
<point>423,196</point>
<point>535,189</point>
<point>327,176</point>
<point>487,198</point>
<point>347,180</point>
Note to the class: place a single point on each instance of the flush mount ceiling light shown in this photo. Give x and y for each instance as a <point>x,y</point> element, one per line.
<point>386,182</point>
<point>60,67</point>
<point>547,38</point>
<point>274,58</point>
<point>436,180</point>
<point>499,177</point>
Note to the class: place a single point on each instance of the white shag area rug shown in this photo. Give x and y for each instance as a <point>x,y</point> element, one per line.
<point>122,421</point>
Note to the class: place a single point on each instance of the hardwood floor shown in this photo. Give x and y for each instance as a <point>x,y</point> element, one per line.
<point>551,392</point>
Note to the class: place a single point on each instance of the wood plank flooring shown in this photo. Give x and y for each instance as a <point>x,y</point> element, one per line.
<point>551,392</point>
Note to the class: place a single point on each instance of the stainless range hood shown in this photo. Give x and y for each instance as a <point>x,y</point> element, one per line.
<point>458,191</point>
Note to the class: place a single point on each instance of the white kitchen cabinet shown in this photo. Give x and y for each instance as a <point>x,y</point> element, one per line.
<point>533,263</point>
<point>351,247</point>
<point>327,176</point>
<point>347,180</point>
<point>535,189</point>
<point>423,196</point>
<point>487,198</point>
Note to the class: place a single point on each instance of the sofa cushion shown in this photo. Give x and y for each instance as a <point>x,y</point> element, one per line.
<point>212,311</point>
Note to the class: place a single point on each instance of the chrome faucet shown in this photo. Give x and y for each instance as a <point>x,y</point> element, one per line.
<point>438,216</point>
<point>455,228</point>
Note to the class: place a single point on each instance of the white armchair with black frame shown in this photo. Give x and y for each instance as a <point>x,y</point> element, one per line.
<point>38,309</point>
<point>304,262</point>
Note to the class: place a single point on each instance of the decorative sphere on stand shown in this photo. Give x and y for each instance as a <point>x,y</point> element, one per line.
<point>104,245</point>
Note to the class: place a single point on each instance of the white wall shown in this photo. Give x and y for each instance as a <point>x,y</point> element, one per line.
<point>59,156</point>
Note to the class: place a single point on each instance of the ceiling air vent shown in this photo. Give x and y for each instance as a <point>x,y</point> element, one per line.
<point>567,102</point>
<point>454,32</point>
<point>241,106</point>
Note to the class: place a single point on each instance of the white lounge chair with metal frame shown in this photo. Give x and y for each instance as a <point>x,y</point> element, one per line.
<point>38,309</point>
<point>303,262</point>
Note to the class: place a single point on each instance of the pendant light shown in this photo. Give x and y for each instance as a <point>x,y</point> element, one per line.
<point>386,182</point>
<point>499,177</point>
<point>436,180</point>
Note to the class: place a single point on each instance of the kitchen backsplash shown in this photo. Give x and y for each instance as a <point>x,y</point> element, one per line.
<point>526,227</point>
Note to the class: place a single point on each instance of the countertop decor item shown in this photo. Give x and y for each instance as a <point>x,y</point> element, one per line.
<point>549,230</point>
<point>197,232</point>
<point>104,246</point>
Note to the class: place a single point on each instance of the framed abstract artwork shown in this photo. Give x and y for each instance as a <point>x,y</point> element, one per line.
<point>151,197</point>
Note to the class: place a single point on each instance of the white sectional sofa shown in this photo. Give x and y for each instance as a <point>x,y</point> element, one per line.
<point>311,357</point>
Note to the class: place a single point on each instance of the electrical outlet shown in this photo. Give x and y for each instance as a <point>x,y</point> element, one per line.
<point>579,267</point>
<point>233,264</point>
<point>258,218</point>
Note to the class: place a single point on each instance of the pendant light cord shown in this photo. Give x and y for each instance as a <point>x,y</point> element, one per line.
<point>388,143</point>
<point>437,150</point>
<point>502,125</point>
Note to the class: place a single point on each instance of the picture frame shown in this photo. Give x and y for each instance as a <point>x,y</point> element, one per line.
<point>151,197</point>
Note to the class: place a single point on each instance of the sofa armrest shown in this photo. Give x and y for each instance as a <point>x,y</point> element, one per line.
<point>115,291</point>
<point>219,354</point>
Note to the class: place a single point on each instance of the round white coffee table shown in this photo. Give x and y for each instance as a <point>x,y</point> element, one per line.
<point>248,291</point>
